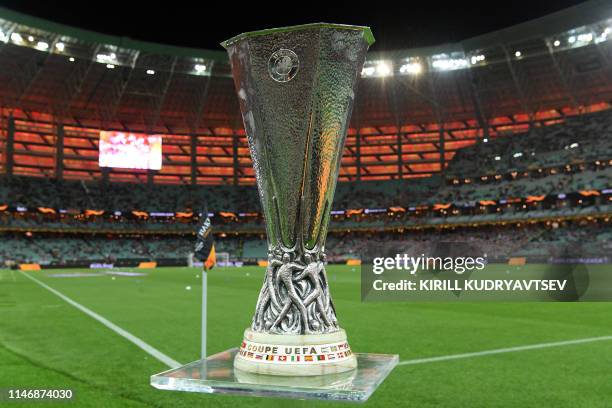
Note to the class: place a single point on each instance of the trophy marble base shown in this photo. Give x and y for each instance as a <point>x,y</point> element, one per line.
<point>217,374</point>
<point>295,355</point>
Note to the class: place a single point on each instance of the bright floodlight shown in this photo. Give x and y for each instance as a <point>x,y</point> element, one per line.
<point>16,37</point>
<point>383,69</point>
<point>571,39</point>
<point>446,64</point>
<point>497,158</point>
<point>413,68</point>
<point>110,66</point>
<point>518,154</point>
<point>199,68</point>
<point>60,46</point>
<point>71,59</point>
<point>368,71</point>
<point>30,38</point>
<point>41,45</point>
<point>557,43</point>
<point>517,54</point>
<point>150,72</point>
<point>477,58</point>
<point>588,37</point>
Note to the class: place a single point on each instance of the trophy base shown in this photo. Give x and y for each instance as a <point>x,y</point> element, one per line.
<point>217,375</point>
<point>295,355</point>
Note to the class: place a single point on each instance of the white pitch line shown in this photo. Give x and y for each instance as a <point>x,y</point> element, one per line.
<point>125,334</point>
<point>505,350</point>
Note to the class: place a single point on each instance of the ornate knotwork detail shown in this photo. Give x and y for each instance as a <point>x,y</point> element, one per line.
<point>295,295</point>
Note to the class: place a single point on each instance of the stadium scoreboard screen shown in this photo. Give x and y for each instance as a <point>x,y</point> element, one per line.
<point>130,150</point>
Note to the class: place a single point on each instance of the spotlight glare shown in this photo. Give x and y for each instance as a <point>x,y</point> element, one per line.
<point>41,45</point>
<point>199,68</point>
<point>16,37</point>
<point>60,46</point>
<point>368,71</point>
<point>411,68</point>
<point>517,54</point>
<point>383,69</point>
<point>447,64</point>
<point>557,43</point>
<point>150,72</point>
<point>110,66</point>
<point>71,59</point>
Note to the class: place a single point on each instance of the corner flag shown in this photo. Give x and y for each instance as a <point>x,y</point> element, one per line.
<point>205,246</point>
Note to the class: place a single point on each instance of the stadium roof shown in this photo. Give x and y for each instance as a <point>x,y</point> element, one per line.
<point>414,107</point>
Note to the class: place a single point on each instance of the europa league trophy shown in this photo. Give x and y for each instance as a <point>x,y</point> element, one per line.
<point>296,88</point>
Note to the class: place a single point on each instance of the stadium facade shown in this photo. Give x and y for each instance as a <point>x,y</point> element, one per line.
<point>445,136</point>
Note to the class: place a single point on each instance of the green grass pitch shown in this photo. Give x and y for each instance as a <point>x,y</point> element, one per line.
<point>47,343</point>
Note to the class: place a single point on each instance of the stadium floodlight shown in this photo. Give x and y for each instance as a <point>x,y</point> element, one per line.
<point>43,46</point>
<point>444,62</point>
<point>106,58</point>
<point>475,59</point>
<point>60,46</point>
<point>518,54</point>
<point>110,66</point>
<point>378,68</point>
<point>517,155</point>
<point>368,71</point>
<point>30,38</point>
<point>150,72</point>
<point>200,68</point>
<point>574,145</point>
<point>383,69</point>
<point>413,68</point>
<point>604,35</point>
<point>571,39</point>
<point>16,38</point>
<point>71,59</point>
<point>557,43</point>
<point>497,158</point>
<point>586,38</point>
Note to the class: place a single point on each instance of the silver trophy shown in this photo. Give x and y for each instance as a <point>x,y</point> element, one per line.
<point>296,88</point>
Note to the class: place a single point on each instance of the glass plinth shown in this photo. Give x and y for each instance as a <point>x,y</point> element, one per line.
<point>216,374</point>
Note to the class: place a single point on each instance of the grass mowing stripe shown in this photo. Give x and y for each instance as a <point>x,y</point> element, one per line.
<point>123,333</point>
<point>505,350</point>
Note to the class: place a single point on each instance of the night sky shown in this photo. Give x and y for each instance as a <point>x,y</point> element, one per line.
<point>396,25</point>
